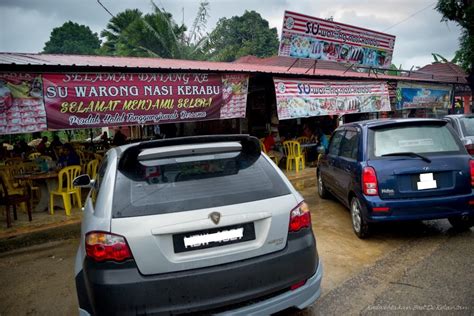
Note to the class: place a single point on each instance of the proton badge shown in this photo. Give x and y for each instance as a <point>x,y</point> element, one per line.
<point>215,217</point>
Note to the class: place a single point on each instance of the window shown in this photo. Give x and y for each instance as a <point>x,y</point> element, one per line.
<point>467,125</point>
<point>350,143</point>
<point>417,139</point>
<point>178,184</point>
<point>335,143</point>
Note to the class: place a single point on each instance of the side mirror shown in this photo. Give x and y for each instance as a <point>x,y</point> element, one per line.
<point>83,181</point>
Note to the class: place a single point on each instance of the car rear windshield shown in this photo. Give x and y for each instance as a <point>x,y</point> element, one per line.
<point>186,183</point>
<point>467,125</point>
<point>420,138</point>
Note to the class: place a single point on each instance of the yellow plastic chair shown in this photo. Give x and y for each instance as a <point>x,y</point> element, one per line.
<point>33,156</point>
<point>303,140</point>
<point>66,189</point>
<point>98,157</point>
<point>293,152</point>
<point>264,150</point>
<point>92,167</point>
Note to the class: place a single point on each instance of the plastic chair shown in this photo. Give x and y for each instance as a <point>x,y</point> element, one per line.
<point>65,189</point>
<point>264,150</point>
<point>92,167</point>
<point>303,140</point>
<point>33,156</point>
<point>293,152</point>
<point>8,199</point>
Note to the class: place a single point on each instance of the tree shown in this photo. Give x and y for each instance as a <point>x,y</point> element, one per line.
<point>130,33</point>
<point>115,28</point>
<point>72,38</point>
<point>461,12</point>
<point>248,34</point>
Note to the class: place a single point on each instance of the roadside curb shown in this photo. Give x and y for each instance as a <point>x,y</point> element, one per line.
<point>40,236</point>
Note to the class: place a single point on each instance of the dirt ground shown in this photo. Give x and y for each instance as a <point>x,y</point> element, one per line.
<point>39,280</point>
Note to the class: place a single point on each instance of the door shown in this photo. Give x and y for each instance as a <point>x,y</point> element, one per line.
<point>327,173</point>
<point>346,172</point>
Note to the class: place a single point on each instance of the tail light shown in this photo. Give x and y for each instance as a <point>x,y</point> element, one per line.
<point>470,148</point>
<point>369,181</point>
<point>102,246</point>
<point>471,165</point>
<point>300,218</point>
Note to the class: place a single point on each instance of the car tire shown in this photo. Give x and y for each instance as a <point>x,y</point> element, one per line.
<point>322,191</point>
<point>461,224</point>
<point>359,223</point>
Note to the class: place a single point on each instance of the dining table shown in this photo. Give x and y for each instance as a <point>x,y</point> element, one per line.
<point>47,181</point>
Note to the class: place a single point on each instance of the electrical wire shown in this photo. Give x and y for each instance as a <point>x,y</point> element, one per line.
<point>410,16</point>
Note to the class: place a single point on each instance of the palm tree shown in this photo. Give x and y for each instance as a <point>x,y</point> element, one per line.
<point>115,28</point>
<point>155,35</point>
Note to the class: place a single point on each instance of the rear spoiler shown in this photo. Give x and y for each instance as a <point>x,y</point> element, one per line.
<point>129,158</point>
<point>405,122</point>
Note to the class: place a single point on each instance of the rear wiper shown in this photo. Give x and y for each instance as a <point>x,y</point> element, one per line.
<point>408,153</point>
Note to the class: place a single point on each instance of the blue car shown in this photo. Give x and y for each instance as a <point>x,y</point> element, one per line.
<point>398,170</point>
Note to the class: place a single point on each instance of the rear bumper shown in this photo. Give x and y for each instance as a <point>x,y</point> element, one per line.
<point>419,209</point>
<point>257,285</point>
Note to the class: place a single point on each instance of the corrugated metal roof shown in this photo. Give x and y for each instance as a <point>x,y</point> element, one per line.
<point>272,65</point>
<point>444,68</point>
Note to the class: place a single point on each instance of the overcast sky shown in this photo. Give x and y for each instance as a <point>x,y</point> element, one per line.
<point>25,25</point>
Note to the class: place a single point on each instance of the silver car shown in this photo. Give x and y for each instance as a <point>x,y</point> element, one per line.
<point>463,124</point>
<point>203,224</point>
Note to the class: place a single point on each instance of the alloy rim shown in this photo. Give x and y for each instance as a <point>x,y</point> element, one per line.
<point>356,220</point>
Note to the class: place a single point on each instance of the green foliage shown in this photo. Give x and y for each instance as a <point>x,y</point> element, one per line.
<point>394,70</point>
<point>461,12</point>
<point>72,38</point>
<point>130,33</point>
<point>114,31</point>
<point>239,36</point>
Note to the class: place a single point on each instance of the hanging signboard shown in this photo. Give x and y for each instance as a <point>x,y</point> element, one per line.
<point>411,96</point>
<point>304,98</point>
<point>21,103</point>
<point>114,99</point>
<point>305,36</point>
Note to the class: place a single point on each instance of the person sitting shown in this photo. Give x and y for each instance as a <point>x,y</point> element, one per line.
<point>56,142</point>
<point>68,157</point>
<point>270,142</point>
<point>323,141</point>
<point>119,138</point>
<point>42,146</point>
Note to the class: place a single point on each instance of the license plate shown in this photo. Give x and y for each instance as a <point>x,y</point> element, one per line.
<point>214,237</point>
<point>426,182</point>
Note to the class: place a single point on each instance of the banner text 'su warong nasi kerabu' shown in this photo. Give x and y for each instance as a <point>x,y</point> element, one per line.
<point>111,99</point>
<point>304,98</point>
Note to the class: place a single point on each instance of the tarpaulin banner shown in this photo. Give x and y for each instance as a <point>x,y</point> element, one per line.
<point>411,96</point>
<point>21,103</point>
<point>78,100</point>
<point>304,98</point>
<point>304,36</point>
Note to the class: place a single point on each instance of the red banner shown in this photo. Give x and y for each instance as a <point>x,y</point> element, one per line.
<point>21,103</point>
<point>79,100</point>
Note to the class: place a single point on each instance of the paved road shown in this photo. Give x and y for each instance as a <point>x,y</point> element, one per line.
<point>403,267</point>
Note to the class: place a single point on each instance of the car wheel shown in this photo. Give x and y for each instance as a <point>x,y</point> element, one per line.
<point>460,223</point>
<point>322,191</point>
<point>359,224</point>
